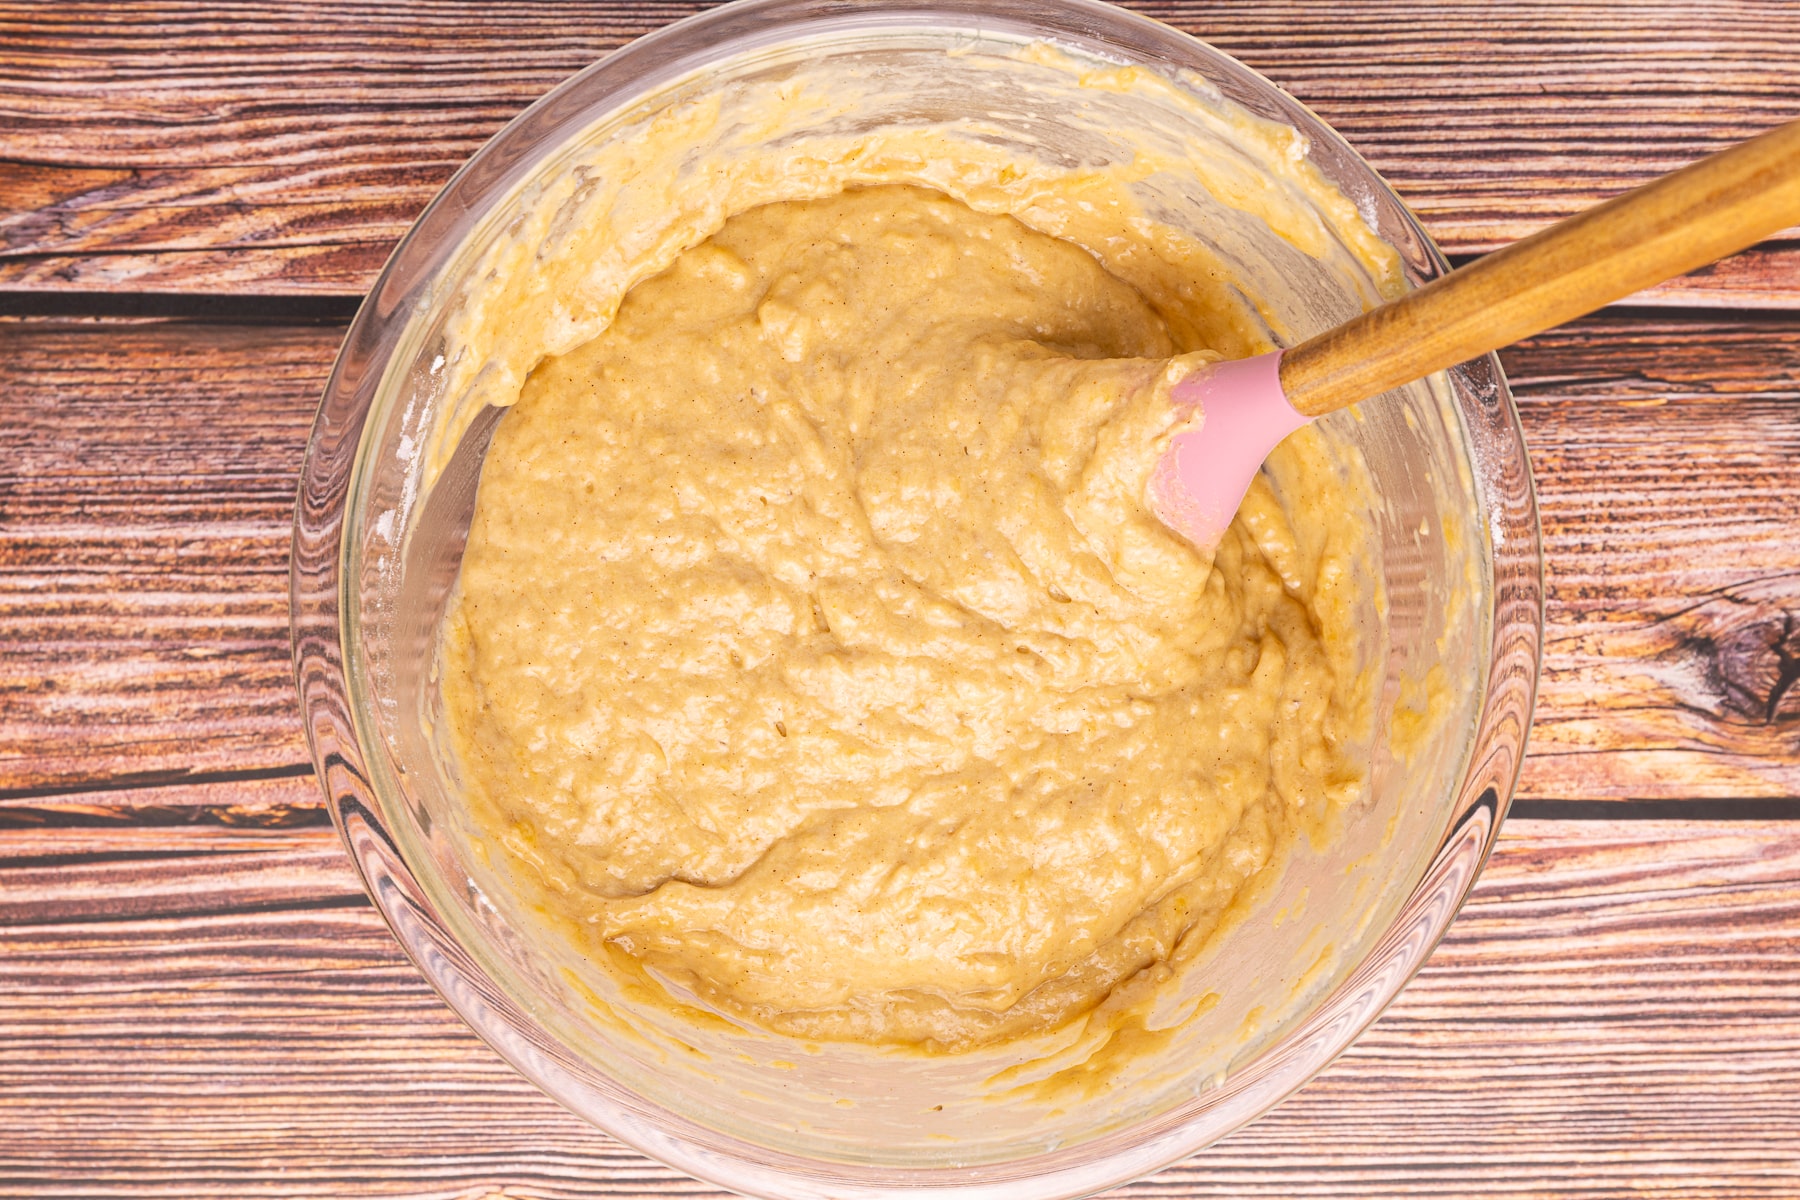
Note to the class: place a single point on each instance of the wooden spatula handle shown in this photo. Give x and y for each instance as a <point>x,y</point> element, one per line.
<point>1698,215</point>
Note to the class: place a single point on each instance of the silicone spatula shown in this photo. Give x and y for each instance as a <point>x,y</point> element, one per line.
<point>1699,214</point>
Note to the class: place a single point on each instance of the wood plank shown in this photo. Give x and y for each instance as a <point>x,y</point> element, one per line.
<point>61,877</point>
<point>147,477</point>
<point>147,471</point>
<point>1665,456</point>
<point>282,147</point>
<point>205,1012</point>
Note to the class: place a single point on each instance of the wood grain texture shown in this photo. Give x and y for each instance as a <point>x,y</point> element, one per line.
<point>283,147</point>
<point>147,474</point>
<point>216,1013</point>
<point>1666,458</point>
<point>147,478</point>
<point>1768,277</point>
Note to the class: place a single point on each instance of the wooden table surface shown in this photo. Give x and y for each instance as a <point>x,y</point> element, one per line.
<point>196,999</point>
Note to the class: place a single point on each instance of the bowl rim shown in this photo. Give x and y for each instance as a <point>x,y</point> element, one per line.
<point>323,614</point>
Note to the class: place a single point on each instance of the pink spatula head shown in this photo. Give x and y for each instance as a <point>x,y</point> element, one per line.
<point>1701,213</point>
<point>1202,477</point>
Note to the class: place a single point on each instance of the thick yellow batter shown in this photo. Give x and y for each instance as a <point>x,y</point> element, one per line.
<point>815,650</point>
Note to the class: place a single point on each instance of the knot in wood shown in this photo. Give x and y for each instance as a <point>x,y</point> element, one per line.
<point>1741,654</point>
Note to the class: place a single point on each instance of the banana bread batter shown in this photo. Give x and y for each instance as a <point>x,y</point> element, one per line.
<point>815,652</point>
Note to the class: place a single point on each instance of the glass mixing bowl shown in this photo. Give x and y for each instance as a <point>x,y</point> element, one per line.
<point>385,502</point>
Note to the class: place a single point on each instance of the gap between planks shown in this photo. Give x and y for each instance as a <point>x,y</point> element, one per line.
<point>320,309</point>
<point>256,803</point>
